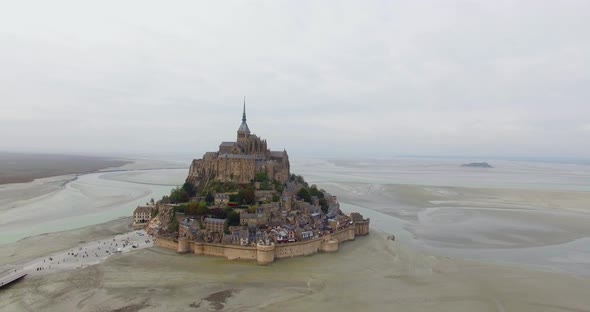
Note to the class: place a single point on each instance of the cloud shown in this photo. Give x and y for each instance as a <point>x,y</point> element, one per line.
<point>327,77</point>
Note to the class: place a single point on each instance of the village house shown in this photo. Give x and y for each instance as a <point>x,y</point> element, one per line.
<point>221,199</point>
<point>248,218</point>
<point>188,228</point>
<point>142,214</point>
<point>240,235</point>
<point>304,235</point>
<point>339,222</point>
<point>214,224</point>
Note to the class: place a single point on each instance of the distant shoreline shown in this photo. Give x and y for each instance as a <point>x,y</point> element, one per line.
<point>24,168</point>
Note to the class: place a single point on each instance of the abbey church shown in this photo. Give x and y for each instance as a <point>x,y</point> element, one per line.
<point>239,161</point>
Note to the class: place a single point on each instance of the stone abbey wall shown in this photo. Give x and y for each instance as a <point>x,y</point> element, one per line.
<point>235,169</point>
<point>298,249</point>
<point>344,235</point>
<point>262,254</point>
<point>229,251</point>
<point>166,243</point>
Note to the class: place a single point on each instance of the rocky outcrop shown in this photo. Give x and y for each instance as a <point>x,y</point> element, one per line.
<point>160,225</point>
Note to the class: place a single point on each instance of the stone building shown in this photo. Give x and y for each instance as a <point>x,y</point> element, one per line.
<point>221,199</point>
<point>248,218</point>
<point>239,161</point>
<point>361,225</point>
<point>214,224</point>
<point>142,214</point>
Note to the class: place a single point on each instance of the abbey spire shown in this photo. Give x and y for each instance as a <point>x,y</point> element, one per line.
<point>243,131</point>
<point>244,114</point>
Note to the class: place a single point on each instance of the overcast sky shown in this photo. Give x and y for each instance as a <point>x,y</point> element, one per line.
<point>321,78</point>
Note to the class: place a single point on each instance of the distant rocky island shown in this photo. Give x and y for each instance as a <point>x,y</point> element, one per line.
<point>477,165</point>
<point>242,202</point>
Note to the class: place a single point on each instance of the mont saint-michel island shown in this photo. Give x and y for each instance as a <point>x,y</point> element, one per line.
<point>243,203</point>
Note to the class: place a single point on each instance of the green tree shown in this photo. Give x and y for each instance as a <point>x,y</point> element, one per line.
<point>304,194</point>
<point>218,213</point>
<point>246,196</point>
<point>209,198</point>
<point>191,208</point>
<point>189,189</point>
<point>201,210</point>
<point>266,185</point>
<point>313,191</point>
<point>279,187</point>
<point>179,195</point>
<point>324,205</point>
<point>181,208</point>
<point>233,218</point>
<point>173,224</point>
<point>261,176</point>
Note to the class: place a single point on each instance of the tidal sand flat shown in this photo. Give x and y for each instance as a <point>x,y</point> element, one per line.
<point>369,274</point>
<point>89,199</point>
<point>531,228</point>
<point>20,167</point>
<point>525,214</point>
<point>547,230</point>
<point>83,255</point>
<point>12,255</point>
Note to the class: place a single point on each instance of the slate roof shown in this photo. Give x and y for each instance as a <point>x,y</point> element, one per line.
<point>221,196</point>
<point>244,127</point>
<point>276,154</point>
<point>144,209</point>
<point>238,156</point>
<point>214,220</point>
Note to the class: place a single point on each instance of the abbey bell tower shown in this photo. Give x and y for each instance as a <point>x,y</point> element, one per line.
<point>239,161</point>
<point>243,131</point>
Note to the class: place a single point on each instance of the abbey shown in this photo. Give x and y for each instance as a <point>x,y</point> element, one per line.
<point>239,161</point>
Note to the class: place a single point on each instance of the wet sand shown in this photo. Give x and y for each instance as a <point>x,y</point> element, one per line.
<point>478,217</point>
<point>392,278</point>
<point>21,168</point>
<point>88,199</point>
<point>83,255</point>
<point>46,244</point>
<point>545,230</point>
<point>529,229</point>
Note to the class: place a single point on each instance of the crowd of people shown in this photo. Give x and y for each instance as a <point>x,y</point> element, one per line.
<point>90,253</point>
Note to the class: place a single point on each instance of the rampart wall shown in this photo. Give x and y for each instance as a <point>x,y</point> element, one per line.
<point>231,252</point>
<point>298,249</point>
<point>166,243</point>
<point>262,254</point>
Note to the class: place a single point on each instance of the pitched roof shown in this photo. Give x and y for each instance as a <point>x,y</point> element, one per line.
<point>276,154</point>
<point>214,220</point>
<point>142,209</point>
<point>248,215</point>
<point>244,127</point>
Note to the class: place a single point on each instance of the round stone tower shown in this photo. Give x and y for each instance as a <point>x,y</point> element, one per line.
<point>265,254</point>
<point>330,245</point>
<point>182,245</point>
